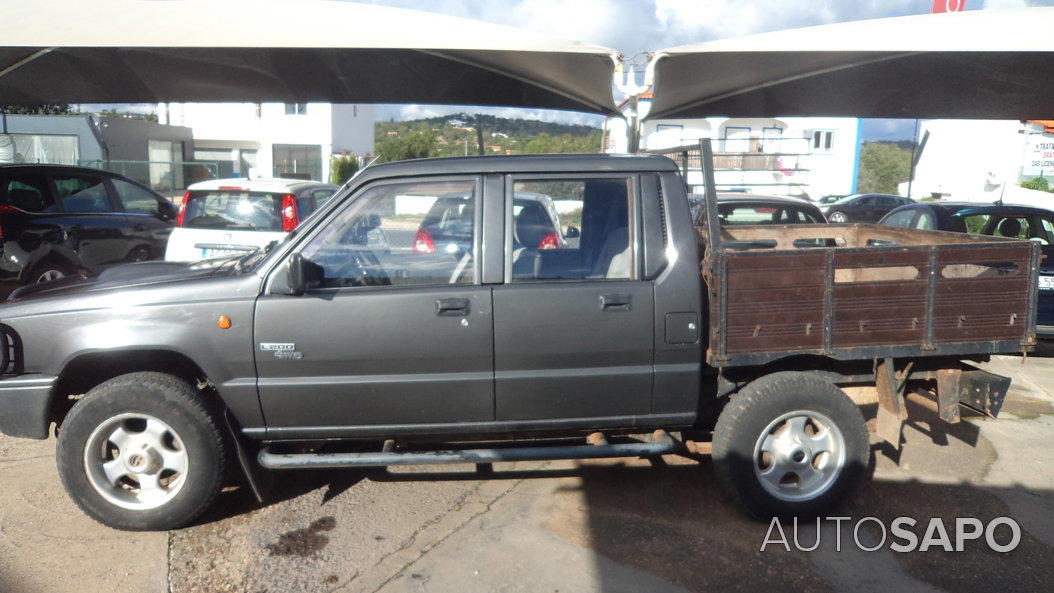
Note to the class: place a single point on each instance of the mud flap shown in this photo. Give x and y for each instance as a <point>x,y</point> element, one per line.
<point>891,410</point>
<point>982,391</point>
<point>248,468</point>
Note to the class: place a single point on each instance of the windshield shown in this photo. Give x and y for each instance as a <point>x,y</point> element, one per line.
<point>238,210</point>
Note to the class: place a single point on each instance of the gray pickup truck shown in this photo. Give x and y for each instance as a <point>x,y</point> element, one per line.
<point>424,315</point>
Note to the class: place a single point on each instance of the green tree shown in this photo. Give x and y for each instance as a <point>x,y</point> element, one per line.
<point>342,167</point>
<point>43,109</point>
<point>882,166</point>
<point>416,145</point>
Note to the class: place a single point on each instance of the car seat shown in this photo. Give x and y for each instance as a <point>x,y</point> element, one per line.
<point>1010,227</point>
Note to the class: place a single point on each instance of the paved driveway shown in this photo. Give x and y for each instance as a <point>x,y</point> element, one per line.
<point>607,526</point>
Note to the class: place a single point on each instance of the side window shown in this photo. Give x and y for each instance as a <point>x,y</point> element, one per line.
<point>867,201</point>
<point>27,192</point>
<point>401,234</point>
<point>796,216</point>
<point>976,224</point>
<point>900,218</point>
<point>571,230</point>
<point>925,221</point>
<point>82,193</point>
<point>135,198</point>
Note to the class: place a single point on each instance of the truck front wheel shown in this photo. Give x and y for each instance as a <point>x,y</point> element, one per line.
<point>790,444</point>
<point>141,452</point>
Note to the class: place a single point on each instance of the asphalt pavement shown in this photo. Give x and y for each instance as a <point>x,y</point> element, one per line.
<point>594,526</point>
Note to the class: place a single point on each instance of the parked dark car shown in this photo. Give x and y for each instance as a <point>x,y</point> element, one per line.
<point>999,220</point>
<point>863,207</point>
<point>830,198</point>
<point>741,208</point>
<point>447,227</point>
<point>59,221</point>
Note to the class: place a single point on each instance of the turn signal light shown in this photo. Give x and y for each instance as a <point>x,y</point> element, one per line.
<point>223,322</point>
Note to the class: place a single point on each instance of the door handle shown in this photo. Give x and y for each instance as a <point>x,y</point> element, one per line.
<point>451,307</point>
<point>616,302</point>
<point>139,227</point>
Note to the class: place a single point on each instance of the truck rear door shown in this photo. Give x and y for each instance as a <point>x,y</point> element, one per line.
<point>573,321</point>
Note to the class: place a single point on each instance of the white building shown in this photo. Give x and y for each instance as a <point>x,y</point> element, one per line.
<point>274,139</point>
<point>816,156</point>
<point>982,161</point>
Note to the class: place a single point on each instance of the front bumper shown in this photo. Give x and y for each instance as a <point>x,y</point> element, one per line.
<point>24,401</point>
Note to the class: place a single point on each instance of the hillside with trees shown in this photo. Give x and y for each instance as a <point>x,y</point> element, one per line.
<point>459,134</point>
<point>883,164</point>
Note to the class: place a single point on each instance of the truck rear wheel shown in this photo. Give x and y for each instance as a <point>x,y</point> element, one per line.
<point>141,452</point>
<point>790,444</point>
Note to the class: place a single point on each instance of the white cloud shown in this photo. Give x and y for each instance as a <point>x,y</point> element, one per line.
<point>999,4</point>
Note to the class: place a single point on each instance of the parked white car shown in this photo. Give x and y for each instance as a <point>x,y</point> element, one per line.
<point>236,216</point>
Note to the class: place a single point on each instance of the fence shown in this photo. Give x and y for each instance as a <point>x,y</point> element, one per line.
<point>162,176</point>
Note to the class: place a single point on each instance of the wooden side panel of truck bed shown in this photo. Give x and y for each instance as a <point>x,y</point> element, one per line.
<point>881,292</point>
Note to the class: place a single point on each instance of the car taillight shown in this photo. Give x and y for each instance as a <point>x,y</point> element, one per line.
<point>183,209</point>
<point>289,215</point>
<point>423,242</point>
<point>550,241</point>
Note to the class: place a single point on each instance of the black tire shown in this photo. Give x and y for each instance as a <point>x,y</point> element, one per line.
<point>49,267</point>
<point>168,399</point>
<point>138,254</point>
<point>741,430</point>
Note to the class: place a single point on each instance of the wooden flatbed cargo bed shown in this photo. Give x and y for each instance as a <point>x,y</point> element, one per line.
<point>858,291</point>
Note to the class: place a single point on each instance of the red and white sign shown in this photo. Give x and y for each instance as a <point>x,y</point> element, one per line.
<point>948,5</point>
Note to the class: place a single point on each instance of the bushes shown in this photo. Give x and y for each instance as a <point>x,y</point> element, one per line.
<point>342,167</point>
<point>1038,183</point>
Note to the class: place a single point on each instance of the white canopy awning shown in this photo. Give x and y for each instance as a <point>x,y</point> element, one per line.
<point>131,51</point>
<point>976,64</point>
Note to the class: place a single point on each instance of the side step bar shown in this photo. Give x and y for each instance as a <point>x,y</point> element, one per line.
<point>662,443</point>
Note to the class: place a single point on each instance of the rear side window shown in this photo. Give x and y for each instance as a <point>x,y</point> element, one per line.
<point>82,193</point>
<point>235,210</point>
<point>571,229</point>
<point>900,218</point>
<point>27,192</point>
<point>135,197</point>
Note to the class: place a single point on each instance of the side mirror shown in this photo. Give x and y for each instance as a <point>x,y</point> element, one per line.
<point>373,221</point>
<point>167,211</point>
<point>301,274</point>
<point>572,232</point>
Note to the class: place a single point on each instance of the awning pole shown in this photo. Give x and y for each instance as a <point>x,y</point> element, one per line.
<point>713,222</point>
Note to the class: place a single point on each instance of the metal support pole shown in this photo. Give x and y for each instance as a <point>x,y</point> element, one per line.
<point>713,226</point>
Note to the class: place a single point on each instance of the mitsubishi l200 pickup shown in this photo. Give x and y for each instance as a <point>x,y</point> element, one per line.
<point>379,334</point>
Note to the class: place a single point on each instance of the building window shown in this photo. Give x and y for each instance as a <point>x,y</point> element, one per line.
<point>822,140</point>
<point>165,166</point>
<point>737,139</point>
<point>45,148</point>
<point>296,108</point>
<point>297,161</point>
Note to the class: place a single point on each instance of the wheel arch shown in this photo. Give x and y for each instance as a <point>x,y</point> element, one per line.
<point>86,370</point>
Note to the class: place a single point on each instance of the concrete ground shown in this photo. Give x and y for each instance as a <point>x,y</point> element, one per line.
<point>604,526</point>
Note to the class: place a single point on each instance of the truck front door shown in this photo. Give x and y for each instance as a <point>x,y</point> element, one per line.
<point>573,322</point>
<point>398,332</point>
